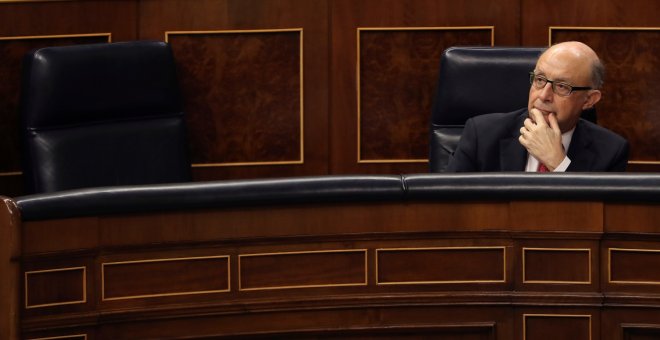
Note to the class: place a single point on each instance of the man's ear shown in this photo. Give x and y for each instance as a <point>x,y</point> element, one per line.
<point>593,97</point>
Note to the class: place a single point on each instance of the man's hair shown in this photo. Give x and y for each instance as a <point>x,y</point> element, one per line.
<point>597,74</point>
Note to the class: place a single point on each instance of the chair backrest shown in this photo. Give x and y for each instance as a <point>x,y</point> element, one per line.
<point>475,81</point>
<point>102,115</point>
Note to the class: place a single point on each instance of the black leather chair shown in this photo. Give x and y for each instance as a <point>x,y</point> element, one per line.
<point>475,81</point>
<point>102,115</point>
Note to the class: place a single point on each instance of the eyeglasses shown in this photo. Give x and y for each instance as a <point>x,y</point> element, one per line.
<point>560,88</point>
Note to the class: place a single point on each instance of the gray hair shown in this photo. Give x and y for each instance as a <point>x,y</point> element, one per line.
<point>597,74</point>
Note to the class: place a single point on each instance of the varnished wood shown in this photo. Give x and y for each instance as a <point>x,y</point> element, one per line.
<point>10,249</point>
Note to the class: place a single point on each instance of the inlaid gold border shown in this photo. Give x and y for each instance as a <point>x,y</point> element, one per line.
<point>605,28</point>
<point>630,250</point>
<point>84,285</point>
<point>57,36</point>
<point>81,336</point>
<point>503,248</point>
<point>524,268</point>
<point>525,316</point>
<point>364,283</point>
<point>27,1</point>
<point>357,74</point>
<point>103,265</point>
<point>302,97</point>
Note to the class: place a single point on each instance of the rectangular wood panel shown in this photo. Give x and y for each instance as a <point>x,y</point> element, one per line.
<point>397,73</point>
<point>634,266</point>
<point>441,265</point>
<point>556,326</point>
<point>234,121</point>
<point>164,277</point>
<point>303,269</point>
<point>55,287</point>
<point>556,265</point>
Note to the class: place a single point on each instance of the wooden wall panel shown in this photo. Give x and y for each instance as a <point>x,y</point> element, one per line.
<point>403,123</point>
<point>243,96</point>
<point>397,76</point>
<point>249,110</point>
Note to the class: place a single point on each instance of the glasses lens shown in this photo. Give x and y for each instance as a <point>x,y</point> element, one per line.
<point>538,81</point>
<point>562,89</point>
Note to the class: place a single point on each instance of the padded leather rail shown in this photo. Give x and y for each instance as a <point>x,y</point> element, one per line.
<point>364,188</point>
<point>534,186</point>
<point>199,195</point>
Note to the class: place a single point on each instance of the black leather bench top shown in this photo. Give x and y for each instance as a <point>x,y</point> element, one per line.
<point>359,188</point>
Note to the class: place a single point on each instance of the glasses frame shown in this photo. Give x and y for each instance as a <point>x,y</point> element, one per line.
<point>572,88</point>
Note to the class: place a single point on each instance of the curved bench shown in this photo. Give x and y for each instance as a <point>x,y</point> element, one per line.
<point>481,255</point>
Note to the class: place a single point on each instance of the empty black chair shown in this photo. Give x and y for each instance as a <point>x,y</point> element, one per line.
<point>102,115</point>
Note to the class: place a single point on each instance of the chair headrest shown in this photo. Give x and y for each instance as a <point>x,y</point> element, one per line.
<point>478,80</point>
<point>98,82</point>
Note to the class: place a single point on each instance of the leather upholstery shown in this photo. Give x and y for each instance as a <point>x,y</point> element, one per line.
<point>449,187</point>
<point>102,114</point>
<point>475,81</point>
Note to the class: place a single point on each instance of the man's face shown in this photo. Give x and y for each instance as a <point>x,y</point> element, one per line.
<point>562,65</point>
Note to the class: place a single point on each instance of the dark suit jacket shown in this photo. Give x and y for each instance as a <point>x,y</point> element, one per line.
<point>490,143</point>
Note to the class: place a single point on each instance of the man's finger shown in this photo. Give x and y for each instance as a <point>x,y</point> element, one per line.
<point>537,116</point>
<point>552,118</point>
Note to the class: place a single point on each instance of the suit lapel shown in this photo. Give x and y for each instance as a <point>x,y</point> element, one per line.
<point>579,152</point>
<point>513,156</point>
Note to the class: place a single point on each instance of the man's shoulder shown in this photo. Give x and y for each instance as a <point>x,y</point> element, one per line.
<point>600,133</point>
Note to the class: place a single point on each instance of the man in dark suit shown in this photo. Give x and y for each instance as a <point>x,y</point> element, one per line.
<point>548,135</point>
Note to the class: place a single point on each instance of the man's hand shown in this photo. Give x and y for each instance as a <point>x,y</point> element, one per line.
<point>543,141</point>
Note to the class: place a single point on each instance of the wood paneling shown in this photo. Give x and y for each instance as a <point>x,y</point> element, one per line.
<point>165,277</point>
<point>463,265</point>
<point>396,127</point>
<point>243,95</point>
<point>243,89</point>
<point>55,287</point>
<point>556,265</point>
<point>557,326</point>
<point>303,269</point>
<point>398,72</point>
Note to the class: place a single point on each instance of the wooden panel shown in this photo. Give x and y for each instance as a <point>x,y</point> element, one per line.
<point>243,91</point>
<point>556,265</point>
<point>638,218</point>
<point>67,234</point>
<point>55,287</point>
<point>303,269</point>
<point>397,76</point>
<point>641,332</point>
<point>634,266</point>
<point>232,121</point>
<point>441,265</point>
<point>164,277</point>
<point>553,326</point>
<point>630,105</point>
<point>581,216</point>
